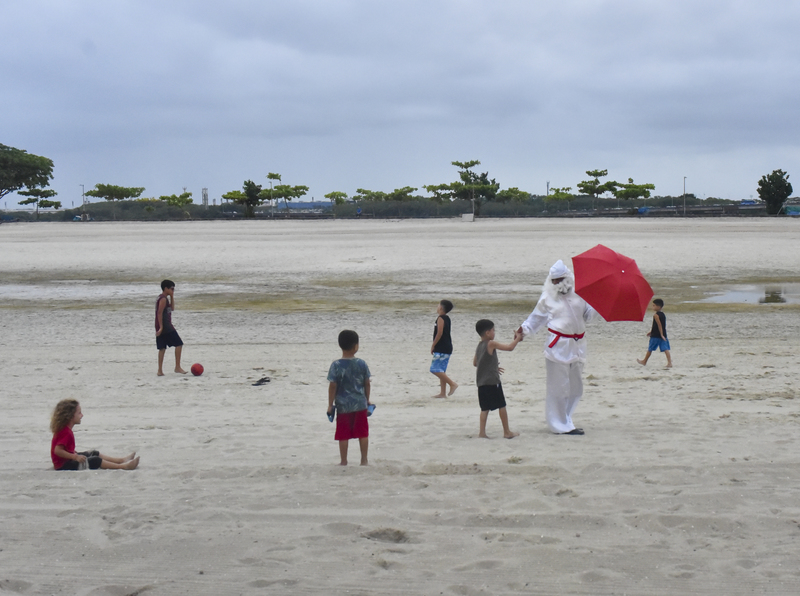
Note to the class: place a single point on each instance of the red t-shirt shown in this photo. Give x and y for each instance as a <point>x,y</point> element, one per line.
<point>66,439</point>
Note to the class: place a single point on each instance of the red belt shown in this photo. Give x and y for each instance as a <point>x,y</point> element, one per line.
<point>559,335</point>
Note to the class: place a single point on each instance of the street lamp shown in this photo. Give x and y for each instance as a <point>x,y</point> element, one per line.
<point>684,196</point>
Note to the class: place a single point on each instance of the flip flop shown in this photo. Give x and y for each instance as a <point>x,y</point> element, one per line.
<point>330,416</point>
<point>370,410</point>
<point>261,381</point>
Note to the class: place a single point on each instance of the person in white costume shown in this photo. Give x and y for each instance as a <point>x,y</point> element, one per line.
<point>564,314</point>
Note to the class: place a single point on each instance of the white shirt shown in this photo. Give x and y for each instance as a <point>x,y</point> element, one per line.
<point>566,313</point>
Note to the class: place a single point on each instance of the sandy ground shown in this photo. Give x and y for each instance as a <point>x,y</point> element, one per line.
<point>685,483</point>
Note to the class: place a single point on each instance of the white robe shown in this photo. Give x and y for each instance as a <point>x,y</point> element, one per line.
<point>568,314</point>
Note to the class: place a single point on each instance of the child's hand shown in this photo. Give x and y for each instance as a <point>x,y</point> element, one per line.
<point>80,458</point>
<point>500,370</point>
<point>648,334</point>
<point>520,332</point>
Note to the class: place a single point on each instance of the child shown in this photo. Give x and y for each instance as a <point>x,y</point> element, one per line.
<point>62,448</point>
<point>166,335</point>
<point>490,390</point>
<point>442,348</point>
<point>658,334</point>
<point>349,388</point>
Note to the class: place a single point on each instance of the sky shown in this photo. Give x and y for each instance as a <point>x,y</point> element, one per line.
<point>345,94</point>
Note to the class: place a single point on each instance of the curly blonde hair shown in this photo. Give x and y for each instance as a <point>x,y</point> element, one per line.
<point>63,414</point>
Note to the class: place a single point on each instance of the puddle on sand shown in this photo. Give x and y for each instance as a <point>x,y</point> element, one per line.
<point>756,294</point>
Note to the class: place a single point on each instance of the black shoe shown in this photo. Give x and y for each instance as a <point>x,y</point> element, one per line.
<point>575,431</point>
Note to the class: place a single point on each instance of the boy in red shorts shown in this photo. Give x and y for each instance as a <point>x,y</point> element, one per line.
<point>349,390</point>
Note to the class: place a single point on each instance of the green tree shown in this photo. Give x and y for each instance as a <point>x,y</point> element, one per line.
<point>336,197</point>
<point>594,188</point>
<point>20,169</point>
<point>287,193</point>
<point>272,176</point>
<point>561,194</point>
<point>774,189</point>
<point>513,194</point>
<point>249,197</point>
<point>631,191</point>
<point>470,186</point>
<point>40,197</point>
<point>181,200</point>
<point>363,194</point>
<point>109,192</point>
<point>401,194</point>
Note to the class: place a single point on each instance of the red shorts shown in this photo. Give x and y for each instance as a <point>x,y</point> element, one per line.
<point>352,425</point>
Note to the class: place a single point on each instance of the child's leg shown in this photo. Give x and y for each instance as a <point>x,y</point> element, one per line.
<point>646,358</point>
<point>343,452</point>
<point>128,465</point>
<point>444,381</point>
<point>504,419</point>
<point>363,442</point>
<point>669,358</point>
<point>118,460</point>
<point>161,362</point>
<point>178,368</point>
<point>484,417</point>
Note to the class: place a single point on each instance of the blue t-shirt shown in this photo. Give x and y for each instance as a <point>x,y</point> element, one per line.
<point>350,375</point>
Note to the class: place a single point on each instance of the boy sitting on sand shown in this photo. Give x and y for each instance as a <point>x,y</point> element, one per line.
<point>490,390</point>
<point>62,448</point>
<point>349,389</point>
<point>658,334</point>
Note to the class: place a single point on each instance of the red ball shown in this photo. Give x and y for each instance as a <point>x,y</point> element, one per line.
<point>197,369</point>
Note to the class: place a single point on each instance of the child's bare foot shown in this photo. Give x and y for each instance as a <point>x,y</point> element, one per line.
<point>130,457</point>
<point>669,365</point>
<point>439,395</point>
<point>510,435</point>
<point>178,369</point>
<point>483,436</point>
<point>642,362</point>
<point>160,373</point>
<point>131,465</point>
<point>343,462</point>
<point>364,462</point>
<point>453,388</point>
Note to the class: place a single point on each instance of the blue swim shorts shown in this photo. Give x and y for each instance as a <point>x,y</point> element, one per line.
<point>656,343</point>
<point>439,362</point>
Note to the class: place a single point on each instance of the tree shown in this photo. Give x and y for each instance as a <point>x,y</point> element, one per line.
<point>109,192</point>
<point>336,197</point>
<point>181,200</point>
<point>363,194</point>
<point>41,198</point>
<point>512,194</point>
<point>401,194</point>
<point>249,197</point>
<point>287,193</point>
<point>469,187</point>
<point>632,191</point>
<point>774,189</point>
<point>20,169</point>
<point>272,176</point>
<point>561,194</point>
<point>594,188</point>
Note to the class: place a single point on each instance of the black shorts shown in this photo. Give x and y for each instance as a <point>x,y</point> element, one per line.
<point>168,339</point>
<point>93,461</point>
<point>491,397</point>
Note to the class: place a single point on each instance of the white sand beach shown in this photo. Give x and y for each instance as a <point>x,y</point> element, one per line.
<point>686,482</point>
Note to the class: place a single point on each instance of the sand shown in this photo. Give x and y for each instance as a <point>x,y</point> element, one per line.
<point>686,481</point>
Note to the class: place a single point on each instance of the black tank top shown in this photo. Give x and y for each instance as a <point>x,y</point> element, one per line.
<point>445,344</point>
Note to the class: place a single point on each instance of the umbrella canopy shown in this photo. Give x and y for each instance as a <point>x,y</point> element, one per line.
<point>612,284</point>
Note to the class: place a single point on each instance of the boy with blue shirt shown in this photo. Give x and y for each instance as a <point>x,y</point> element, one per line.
<point>349,391</point>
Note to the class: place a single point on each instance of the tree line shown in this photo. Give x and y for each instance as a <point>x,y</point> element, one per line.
<point>22,170</point>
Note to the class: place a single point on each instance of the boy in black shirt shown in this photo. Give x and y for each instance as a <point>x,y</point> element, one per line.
<point>658,334</point>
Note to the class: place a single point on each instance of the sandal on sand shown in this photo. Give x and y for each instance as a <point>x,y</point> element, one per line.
<point>261,381</point>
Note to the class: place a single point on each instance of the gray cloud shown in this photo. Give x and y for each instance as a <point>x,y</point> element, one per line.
<point>345,94</point>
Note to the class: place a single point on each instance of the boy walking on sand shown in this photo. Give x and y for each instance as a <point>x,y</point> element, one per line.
<point>490,390</point>
<point>348,396</point>
<point>166,335</point>
<point>658,334</point>
<point>442,348</point>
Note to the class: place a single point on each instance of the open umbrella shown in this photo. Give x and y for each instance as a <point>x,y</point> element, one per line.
<point>612,284</point>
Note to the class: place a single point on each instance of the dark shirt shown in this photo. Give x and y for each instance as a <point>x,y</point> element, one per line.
<point>445,343</point>
<point>654,332</point>
<point>166,315</point>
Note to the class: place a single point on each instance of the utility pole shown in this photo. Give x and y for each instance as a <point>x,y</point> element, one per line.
<point>684,196</point>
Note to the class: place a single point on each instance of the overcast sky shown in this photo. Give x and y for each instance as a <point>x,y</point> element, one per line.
<point>340,95</point>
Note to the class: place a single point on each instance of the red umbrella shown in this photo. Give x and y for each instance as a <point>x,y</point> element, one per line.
<point>612,284</point>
